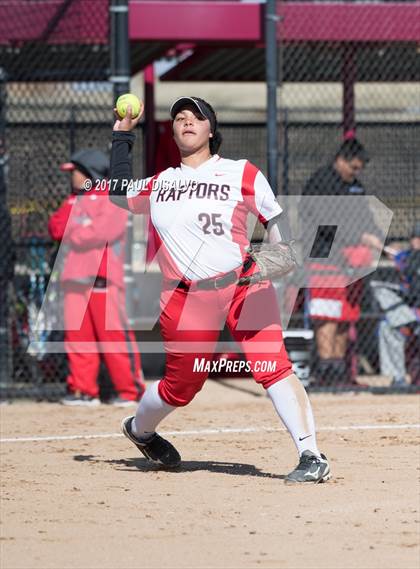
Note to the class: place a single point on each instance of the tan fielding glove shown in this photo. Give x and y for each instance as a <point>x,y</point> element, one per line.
<point>273,262</point>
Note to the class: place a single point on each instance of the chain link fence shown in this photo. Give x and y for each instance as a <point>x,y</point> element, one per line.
<point>56,99</point>
<point>392,175</point>
<point>54,57</point>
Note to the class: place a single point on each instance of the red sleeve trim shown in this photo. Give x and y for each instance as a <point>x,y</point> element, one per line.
<point>248,189</point>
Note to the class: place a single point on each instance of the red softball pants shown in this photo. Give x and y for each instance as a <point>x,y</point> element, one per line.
<point>191,322</point>
<point>97,325</point>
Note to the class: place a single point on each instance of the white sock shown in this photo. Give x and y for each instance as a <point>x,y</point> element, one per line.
<point>293,407</point>
<point>150,412</point>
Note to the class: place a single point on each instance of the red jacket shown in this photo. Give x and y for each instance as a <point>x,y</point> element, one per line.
<point>92,230</point>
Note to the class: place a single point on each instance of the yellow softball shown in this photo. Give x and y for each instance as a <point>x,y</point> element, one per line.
<point>129,99</point>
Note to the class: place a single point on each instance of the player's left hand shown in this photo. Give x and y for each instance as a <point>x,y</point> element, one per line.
<point>272,260</point>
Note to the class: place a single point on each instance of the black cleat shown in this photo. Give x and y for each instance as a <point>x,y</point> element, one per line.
<point>311,468</point>
<point>156,449</point>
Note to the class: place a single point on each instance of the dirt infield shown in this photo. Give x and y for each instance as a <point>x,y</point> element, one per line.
<point>94,502</point>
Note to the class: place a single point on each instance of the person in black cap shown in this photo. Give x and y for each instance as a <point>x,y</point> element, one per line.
<point>92,232</point>
<point>399,331</point>
<point>86,164</point>
<point>199,214</point>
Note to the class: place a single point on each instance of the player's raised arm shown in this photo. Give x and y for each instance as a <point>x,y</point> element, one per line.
<point>121,168</point>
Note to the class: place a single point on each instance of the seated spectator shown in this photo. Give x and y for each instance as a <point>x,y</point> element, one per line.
<point>399,331</point>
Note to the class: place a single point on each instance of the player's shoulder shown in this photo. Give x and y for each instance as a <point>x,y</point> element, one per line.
<point>242,169</point>
<point>245,162</point>
<point>241,166</point>
<point>221,163</point>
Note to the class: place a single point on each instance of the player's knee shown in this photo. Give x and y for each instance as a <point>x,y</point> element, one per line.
<point>177,395</point>
<point>270,378</point>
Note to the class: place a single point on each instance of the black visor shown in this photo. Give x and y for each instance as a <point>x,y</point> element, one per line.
<point>200,105</point>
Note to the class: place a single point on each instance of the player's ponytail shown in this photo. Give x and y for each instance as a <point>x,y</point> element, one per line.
<point>215,142</point>
<point>208,111</point>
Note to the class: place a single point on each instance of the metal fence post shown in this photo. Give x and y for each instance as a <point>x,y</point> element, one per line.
<point>6,259</point>
<point>271,63</point>
<point>285,191</point>
<point>120,78</point>
<point>349,78</point>
<point>120,47</point>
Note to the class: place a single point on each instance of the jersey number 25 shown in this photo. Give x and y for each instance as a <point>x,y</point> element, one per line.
<point>211,223</point>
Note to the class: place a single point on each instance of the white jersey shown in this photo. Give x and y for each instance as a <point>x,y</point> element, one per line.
<point>200,214</point>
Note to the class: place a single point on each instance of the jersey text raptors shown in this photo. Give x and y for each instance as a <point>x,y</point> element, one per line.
<point>200,214</point>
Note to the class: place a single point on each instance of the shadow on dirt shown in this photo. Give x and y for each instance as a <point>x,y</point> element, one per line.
<point>135,464</point>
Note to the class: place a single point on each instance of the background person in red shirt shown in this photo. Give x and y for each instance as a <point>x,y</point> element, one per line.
<point>92,232</point>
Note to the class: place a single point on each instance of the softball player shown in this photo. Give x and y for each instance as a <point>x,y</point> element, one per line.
<point>199,212</point>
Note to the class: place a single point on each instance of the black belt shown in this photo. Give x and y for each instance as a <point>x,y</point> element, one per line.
<point>100,282</point>
<point>216,283</point>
